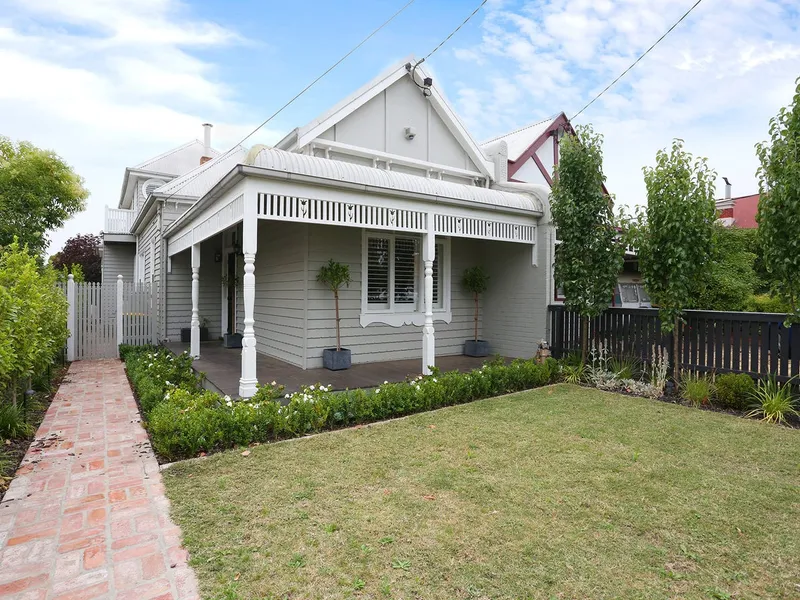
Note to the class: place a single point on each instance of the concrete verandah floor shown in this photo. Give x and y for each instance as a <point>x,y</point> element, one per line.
<point>222,367</point>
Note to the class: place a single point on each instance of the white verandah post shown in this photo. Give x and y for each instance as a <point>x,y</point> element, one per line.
<point>428,255</point>
<point>194,346</point>
<point>71,317</point>
<point>249,379</point>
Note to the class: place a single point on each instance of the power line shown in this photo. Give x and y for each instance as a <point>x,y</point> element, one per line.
<point>304,90</point>
<point>645,53</point>
<point>452,33</point>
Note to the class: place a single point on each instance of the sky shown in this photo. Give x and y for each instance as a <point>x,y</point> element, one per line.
<point>110,83</point>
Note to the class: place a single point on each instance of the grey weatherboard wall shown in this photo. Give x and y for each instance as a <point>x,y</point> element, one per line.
<point>118,259</point>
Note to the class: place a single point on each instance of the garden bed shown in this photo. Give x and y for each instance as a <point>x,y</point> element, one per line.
<point>12,451</point>
<point>184,420</point>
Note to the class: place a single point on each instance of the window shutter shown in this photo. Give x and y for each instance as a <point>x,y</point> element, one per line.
<point>378,272</point>
<point>405,272</point>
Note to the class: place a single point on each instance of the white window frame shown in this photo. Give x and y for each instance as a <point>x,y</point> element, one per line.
<point>397,315</point>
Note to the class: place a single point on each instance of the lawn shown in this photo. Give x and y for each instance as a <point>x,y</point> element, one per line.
<point>560,492</point>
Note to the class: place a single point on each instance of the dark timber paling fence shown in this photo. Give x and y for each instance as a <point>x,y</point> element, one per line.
<point>724,342</point>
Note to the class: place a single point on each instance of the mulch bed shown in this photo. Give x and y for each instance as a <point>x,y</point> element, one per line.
<point>13,451</point>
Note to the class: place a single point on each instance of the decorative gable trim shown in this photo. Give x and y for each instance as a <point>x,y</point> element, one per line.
<point>305,135</point>
<point>515,165</point>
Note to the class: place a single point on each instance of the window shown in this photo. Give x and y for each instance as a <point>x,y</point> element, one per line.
<point>631,295</point>
<point>394,276</point>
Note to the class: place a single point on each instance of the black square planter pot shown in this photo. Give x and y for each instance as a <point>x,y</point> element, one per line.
<point>336,360</point>
<point>186,334</point>
<point>232,340</point>
<point>479,348</point>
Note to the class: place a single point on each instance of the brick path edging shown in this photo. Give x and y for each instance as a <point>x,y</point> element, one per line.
<point>86,516</point>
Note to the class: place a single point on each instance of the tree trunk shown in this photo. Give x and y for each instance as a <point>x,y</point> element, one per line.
<point>584,339</point>
<point>338,335</point>
<point>676,372</point>
<point>476,317</point>
<point>14,392</point>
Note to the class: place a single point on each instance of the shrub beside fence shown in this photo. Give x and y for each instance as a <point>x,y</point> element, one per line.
<point>724,342</point>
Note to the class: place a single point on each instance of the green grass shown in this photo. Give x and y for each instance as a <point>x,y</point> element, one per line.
<point>560,492</point>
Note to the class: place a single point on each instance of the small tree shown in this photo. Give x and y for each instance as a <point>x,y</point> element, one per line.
<point>334,275</point>
<point>475,280</point>
<point>675,235</point>
<point>591,253</point>
<point>779,205</point>
<point>83,250</point>
<point>38,193</point>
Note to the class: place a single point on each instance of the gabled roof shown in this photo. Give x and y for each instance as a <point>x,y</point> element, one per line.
<point>302,136</point>
<point>202,178</point>
<point>370,177</point>
<point>523,143</point>
<point>520,140</point>
<point>176,161</point>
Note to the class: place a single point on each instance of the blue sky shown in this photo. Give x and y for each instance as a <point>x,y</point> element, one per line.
<point>108,83</point>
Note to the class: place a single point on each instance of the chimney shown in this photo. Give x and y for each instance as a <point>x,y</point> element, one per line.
<point>206,143</point>
<point>727,188</point>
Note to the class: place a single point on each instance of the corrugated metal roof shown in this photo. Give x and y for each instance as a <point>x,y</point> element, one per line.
<point>202,178</point>
<point>178,160</point>
<point>518,141</point>
<point>289,162</point>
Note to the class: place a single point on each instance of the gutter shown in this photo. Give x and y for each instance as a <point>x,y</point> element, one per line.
<point>240,171</point>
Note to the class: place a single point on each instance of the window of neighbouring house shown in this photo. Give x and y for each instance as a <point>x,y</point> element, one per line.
<point>395,278</point>
<point>631,295</point>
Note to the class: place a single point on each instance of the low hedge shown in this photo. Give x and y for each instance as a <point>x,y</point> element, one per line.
<point>184,419</point>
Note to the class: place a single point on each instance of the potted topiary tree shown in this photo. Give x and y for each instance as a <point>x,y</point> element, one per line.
<point>334,275</point>
<point>475,281</point>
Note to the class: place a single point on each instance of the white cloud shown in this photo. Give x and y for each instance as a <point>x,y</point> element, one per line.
<point>714,81</point>
<point>108,84</point>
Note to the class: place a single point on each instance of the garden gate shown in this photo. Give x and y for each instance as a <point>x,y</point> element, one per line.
<point>103,316</point>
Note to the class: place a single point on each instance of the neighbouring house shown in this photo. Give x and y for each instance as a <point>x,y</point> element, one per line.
<point>532,157</point>
<point>389,182</point>
<point>738,212</point>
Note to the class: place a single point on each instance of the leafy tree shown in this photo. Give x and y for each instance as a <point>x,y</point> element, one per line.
<point>83,250</point>
<point>334,275</point>
<point>675,237</point>
<point>731,279</point>
<point>476,281</point>
<point>38,193</point>
<point>779,206</point>
<point>591,253</point>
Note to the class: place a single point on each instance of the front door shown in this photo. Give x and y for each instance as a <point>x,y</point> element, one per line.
<point>231,292</point>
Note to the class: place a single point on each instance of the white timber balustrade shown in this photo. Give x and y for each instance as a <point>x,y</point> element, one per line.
<point>118,220</point>
<point>71,318</point>
<point>194,346</point>
<point>428,340</point>
<point>249,380</point>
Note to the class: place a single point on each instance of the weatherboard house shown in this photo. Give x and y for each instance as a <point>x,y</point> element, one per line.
<point>389,182</point>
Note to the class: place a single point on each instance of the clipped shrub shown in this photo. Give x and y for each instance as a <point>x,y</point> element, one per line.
<point>183,419</point>
<point>735,390</point>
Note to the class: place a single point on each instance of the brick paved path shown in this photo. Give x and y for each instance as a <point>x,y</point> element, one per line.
<point>86,516</point>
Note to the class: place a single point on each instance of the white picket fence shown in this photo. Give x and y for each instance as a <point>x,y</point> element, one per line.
<point>103,316</point>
